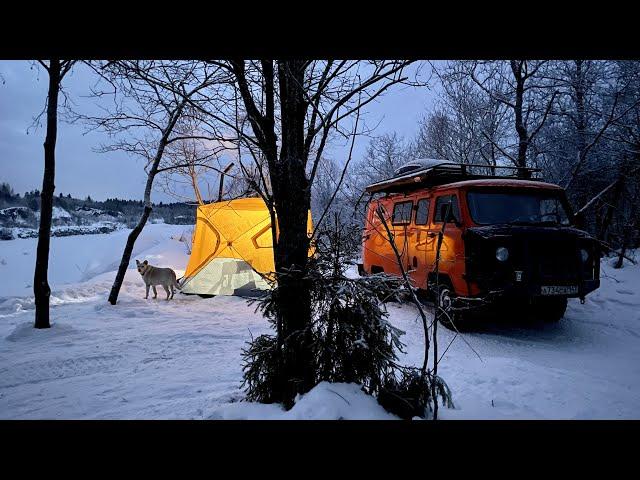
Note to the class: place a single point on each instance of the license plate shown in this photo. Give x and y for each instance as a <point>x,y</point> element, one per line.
<point>558,290</point>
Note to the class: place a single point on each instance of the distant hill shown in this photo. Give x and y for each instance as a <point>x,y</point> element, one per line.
<point>19,214</point>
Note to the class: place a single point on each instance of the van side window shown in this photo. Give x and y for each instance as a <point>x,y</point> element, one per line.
<point>441,206</point>
<point>422,211</point>
<point>402,213</point>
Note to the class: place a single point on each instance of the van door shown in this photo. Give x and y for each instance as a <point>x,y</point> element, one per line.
<point>418,241</point>
<point>451,251</point>
<point>401,226</point>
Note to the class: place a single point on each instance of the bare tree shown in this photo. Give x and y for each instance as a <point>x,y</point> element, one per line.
<point>518,85</point>
<point>56,69</point>
<point>433,139</point>
<point>282,114</point>
<point>626,135</point>
<point>343,185</point>
<point>591,101</point>
<point>585,144</point>
<point>384,154</point>
<point>149,100</point>
<point>194,162</point>
<point>465,126</point>
<point>328,195</point>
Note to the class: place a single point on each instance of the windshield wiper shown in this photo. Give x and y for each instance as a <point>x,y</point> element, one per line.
<point>534,219</point>
<point>541,223</point>
<point>521,222</point>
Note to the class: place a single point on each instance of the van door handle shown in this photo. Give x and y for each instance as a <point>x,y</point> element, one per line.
<point>432,234</point>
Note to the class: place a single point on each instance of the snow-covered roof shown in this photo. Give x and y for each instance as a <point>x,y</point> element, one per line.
<point>59,212</point>
<point>14,209</point>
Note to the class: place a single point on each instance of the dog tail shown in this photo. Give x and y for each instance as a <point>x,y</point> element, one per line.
<point>177,284</point>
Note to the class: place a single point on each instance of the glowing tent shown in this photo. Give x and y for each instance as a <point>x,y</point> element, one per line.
<point>232,246</point>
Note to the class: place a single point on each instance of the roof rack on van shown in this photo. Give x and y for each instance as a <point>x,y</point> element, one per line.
<point>429,173</point>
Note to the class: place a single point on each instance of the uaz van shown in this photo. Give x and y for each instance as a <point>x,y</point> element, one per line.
<point>505,240</point>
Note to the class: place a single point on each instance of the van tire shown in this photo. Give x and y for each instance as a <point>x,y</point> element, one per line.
<point>549,309</point>
<point>454,321</point>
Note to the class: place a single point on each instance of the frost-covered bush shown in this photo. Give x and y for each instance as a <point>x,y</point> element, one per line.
<point>350,337</point>
<point>410,394</point>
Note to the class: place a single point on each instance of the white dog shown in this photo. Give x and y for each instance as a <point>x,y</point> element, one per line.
<point>153,276</point>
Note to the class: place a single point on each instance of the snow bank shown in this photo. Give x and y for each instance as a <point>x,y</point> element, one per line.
<point>326,401</point>
<point>153,359</point>
<point>80,258</point>
<point>586,366</point>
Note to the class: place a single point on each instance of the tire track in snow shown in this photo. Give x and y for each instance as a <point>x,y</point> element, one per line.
<point>57,369</point>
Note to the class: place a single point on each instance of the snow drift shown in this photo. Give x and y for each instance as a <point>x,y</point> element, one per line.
<point>153,359</point>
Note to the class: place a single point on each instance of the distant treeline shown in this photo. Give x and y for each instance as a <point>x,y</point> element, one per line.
<point>83,211</point>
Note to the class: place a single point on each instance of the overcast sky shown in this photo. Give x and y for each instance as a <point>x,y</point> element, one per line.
<point>81,171</point>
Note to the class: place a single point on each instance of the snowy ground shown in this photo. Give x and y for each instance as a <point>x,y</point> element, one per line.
<point>181,359</point>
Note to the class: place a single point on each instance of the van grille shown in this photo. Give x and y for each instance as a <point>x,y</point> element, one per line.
<point>544,256</point>
<point>553,260</point>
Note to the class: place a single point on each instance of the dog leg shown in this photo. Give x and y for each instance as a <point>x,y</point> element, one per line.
<point>166,289</point>
<point>147,295</point>
<point>155,292</point>
<point>173,291</point>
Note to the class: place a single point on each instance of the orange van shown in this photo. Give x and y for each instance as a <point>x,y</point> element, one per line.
<point>503,238</point>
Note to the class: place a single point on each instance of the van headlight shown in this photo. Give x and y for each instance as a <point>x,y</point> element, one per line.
<point>502,254</point>
<point>584,255</point>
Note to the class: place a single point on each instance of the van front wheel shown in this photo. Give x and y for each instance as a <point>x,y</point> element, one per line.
<point>447,316</point>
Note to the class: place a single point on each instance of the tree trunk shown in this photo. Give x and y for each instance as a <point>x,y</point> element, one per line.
<point>581,125</point>
<point>521,129</point>
<point>291,192</point>
<point>126,255</point>
<point>623,250</point>
<point>611,206</point>
<point>581,118</point>
<point>629,231</point>
<point>133,236</point>
<point>41,289</point>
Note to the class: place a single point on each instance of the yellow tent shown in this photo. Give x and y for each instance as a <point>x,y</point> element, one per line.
<point>232,247</point>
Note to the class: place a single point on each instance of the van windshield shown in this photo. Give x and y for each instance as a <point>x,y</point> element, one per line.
<point>517,208</point>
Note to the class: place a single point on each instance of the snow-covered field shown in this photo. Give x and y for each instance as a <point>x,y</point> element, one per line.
<point>181,359</point>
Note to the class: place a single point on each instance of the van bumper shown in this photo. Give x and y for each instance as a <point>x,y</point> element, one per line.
<point>524,291</point>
